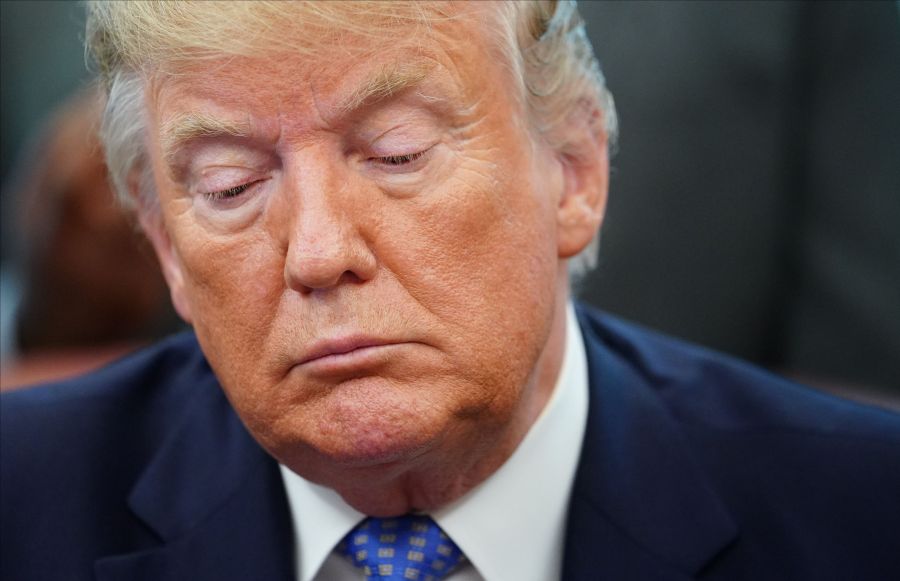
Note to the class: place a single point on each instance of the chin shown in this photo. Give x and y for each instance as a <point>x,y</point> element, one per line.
<point>383,429</point>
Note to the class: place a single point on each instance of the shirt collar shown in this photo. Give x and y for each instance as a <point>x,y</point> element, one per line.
<point>321,519</point>
<point>519,510</point>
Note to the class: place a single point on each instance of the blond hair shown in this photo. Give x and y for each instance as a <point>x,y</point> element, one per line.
<point>543,40</point>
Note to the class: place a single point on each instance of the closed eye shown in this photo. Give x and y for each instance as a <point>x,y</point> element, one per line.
<point>230,193</point>
<point>395,160</point>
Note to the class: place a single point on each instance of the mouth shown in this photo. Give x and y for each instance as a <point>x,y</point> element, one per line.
<point>346,354</point>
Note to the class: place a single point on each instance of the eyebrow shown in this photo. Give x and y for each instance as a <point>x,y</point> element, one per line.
<point>190,126</point>
<point>387,82</point>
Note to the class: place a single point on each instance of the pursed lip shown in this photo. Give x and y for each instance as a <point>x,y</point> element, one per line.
<point>343,346</point>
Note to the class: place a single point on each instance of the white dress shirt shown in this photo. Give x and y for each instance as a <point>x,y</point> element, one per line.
<point>511,526</point>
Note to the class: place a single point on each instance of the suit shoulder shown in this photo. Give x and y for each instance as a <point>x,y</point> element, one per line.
<point>800,472</point>
<point>71,453</point>
<point>111,408</point>
<point>152,368</point>
<point>702,387</point>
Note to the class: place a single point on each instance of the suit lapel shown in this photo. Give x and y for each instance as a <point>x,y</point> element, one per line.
<point>640,508</point>
<point>215,500</point>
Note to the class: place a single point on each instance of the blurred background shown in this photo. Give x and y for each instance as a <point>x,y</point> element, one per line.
<point>754,204</point>
<point>79,285</point>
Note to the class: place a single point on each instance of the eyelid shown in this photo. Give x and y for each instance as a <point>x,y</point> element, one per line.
<point>401,161</point>
<point>232,194</point>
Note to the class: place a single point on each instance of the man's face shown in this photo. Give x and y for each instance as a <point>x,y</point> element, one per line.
<point>372,273</point>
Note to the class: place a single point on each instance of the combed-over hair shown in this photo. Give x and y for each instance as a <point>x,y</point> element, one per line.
<point>544,41</point>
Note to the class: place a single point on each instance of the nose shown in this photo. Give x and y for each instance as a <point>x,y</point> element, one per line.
<point>325,246</point>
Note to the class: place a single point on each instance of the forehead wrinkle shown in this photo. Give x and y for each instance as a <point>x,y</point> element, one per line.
<point>184,128</point>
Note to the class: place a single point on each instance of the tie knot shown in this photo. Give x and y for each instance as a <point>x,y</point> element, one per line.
<point>411,547</point>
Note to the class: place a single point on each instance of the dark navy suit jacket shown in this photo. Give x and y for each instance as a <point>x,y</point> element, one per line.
<point>694,466</point>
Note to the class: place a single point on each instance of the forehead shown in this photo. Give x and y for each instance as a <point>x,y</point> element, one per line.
<point>337,70</point>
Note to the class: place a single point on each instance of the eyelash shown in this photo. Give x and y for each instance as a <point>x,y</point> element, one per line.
<point>395,160</point>
<point>236,191</point>
<point>229,193</point>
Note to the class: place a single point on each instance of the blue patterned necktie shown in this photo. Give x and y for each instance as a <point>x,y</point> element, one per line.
<point>411,547</point>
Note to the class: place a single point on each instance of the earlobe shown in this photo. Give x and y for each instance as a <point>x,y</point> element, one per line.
<point>586,180</point>
<point>152,224</point>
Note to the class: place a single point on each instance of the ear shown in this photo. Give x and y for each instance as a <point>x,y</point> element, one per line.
<point>154,228</point>
<point>585,163</point>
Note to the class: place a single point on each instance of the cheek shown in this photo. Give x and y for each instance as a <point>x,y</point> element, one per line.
<point>482,259</point>
<point>233,273</point>
<point>487,237</point>
<point>233,287</point>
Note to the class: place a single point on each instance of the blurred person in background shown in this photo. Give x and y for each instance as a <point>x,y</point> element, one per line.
<point>90,287</point>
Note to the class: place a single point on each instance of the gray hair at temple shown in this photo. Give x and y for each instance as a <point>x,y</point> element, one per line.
<point>543,42</point>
